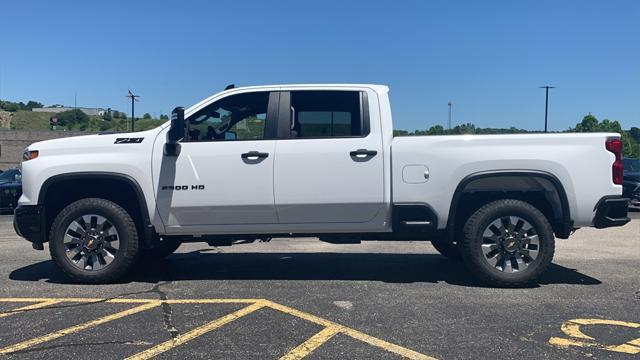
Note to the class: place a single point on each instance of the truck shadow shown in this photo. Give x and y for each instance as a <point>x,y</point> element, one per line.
<point>391,268</point>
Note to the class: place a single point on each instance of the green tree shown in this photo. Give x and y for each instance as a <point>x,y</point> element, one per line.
<point>33,105</point>
<point>590,123</point>
<point>9,106</point>
<point>635,133</point>
<point>146,116</point>
<point>436,130</point>
<point>73,119</point>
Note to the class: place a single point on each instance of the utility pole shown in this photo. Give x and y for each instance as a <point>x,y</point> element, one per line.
<point>450,103</point>
<point>546,104</point>
<point>75,99</point>
<point>133,98</point>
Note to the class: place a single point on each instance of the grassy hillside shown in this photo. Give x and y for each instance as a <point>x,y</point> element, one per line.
<point>29,120</point>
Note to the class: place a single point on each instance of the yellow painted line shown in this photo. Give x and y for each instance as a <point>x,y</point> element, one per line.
<point>314,342</point>
<point>396,349</point>
<point>303,315</point>
<point>213,301</point>
<point>572,327</point>
<point>28,307</point>
<point>60,333</point>
<point>181,339</point>
<point>199,331</point>
<point>627,348</point>
<point>133,301</point>
<point>385,345</point>
<point>578,338</point>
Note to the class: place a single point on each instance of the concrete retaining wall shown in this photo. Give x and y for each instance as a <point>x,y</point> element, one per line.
<point>13,143</point>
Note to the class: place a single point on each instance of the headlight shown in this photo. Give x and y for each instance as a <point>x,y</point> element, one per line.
<point>29,154</point>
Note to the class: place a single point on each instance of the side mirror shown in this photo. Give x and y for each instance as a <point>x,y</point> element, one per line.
<point>176,132</point>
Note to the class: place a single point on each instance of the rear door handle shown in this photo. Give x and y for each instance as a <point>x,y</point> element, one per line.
<point>254,155</point>
<point>363,152</point>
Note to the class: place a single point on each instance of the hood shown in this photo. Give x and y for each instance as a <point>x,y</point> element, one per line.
<point>87,143</point>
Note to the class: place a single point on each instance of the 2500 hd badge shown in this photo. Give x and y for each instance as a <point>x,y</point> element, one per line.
<point>182,187</point>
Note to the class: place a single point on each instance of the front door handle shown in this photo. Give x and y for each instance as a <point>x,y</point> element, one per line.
<point>361,153</point>
<point>253,155</point>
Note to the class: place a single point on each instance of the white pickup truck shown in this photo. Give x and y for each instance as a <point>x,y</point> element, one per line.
<point>253,163</point>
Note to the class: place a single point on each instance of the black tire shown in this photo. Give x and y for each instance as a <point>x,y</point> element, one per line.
<point>124,257</point>
<point>166,248</point>
<point>483,220</point>
<point>447,248</point>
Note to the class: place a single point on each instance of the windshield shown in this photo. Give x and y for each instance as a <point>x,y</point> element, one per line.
<point>631,165</point>
<point>10,176</point>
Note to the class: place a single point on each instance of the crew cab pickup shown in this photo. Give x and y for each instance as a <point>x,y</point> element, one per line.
<point>259,162</point>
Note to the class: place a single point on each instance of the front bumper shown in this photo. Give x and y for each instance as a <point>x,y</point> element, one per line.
<point>28,221</point>
<point>611,211</point>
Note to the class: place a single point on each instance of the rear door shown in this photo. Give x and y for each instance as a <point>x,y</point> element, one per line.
<point>329,161</point>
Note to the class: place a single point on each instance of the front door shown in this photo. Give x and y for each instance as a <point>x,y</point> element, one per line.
<point>223,174</point>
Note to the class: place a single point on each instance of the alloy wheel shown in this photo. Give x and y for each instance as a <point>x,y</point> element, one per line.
<point>510,244</point>
<point>91,242</point>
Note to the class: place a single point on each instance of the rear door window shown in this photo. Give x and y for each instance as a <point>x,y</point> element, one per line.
<point>325,114</point>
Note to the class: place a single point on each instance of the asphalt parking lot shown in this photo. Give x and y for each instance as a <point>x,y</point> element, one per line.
<point>303,298</point>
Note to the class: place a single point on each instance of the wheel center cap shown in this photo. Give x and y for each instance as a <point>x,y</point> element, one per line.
<point>510,243</point>
<point>91,242</point>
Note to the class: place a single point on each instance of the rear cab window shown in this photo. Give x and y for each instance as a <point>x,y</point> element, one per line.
<point>328,114</point>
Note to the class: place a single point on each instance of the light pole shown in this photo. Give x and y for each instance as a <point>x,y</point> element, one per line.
<point>546,103</point>
<point>449,123</point>
<point>133,98</point>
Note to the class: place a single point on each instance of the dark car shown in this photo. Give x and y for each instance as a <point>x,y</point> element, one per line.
<point>631,185</point>
<point>10,189</point>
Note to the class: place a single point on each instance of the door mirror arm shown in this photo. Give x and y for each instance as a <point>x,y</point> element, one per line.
<point>176,132</point>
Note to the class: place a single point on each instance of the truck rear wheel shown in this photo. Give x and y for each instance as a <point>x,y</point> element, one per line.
<point>508,243</point>
<point>94,241</point>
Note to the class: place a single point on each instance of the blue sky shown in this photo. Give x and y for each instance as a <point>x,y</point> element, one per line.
<point>488,57</point>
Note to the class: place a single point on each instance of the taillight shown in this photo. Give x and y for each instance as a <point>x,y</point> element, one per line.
<point>614,145</point>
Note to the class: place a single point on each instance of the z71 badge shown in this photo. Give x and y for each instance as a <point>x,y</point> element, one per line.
<point>128,140</point>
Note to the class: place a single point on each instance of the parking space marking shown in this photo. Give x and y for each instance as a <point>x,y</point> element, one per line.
<point>70,330</point>
<point>312,343</point>
<point>199,331</point>
<point>374,341</point>
<point>39,305</point>
<point>577,338</point>
<point>329,330</point>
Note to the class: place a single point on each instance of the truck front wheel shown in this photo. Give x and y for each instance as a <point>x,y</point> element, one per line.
<point>94,241</point>
<point>508,243</point>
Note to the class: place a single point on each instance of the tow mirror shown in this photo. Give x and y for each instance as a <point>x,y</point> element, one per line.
<point>176,132</point>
